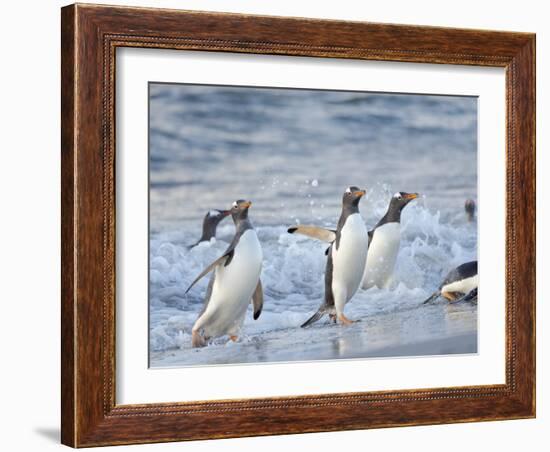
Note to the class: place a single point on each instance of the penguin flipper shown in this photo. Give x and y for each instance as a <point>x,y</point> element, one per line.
<point>190,247</point>
<point>208,294</point>
<point>221,260</point>
<point>315,232</point>
<point>258,300</point>
<point>320,313</point>
<point>432,297</point>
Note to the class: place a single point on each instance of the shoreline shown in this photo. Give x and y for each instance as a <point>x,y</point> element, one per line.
<point>384,336</point>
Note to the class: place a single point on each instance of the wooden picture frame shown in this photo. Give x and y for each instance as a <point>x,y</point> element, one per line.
<point>90,36</point>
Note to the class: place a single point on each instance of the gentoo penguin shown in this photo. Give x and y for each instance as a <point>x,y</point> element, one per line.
<point>345,257</point>
<point>210,223</point>
<point>470,208</point>
<point>384,242</point>
<point>235,281</point>
<point>459,285</point>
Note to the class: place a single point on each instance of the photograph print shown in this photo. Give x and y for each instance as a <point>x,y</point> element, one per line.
<point>300,225</point>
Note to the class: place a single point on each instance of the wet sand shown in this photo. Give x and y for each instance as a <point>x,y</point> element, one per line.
<point>387,336</point>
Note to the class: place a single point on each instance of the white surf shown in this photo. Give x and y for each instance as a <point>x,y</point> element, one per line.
<point>292,277</point>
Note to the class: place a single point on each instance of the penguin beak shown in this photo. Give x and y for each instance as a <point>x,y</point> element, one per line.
<point>246,204</point>
<point>411,196</point>
<point>360,193</point>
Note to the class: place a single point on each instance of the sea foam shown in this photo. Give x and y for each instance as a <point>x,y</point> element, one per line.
<point>293,273</point>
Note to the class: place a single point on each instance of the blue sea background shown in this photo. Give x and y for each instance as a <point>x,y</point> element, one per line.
<point>293,152</point>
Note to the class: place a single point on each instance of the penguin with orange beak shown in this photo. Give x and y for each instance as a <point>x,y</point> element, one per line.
<point>210,224</point>
<point>234,284</point>
<point>384,242</point>
<point>345,257</point>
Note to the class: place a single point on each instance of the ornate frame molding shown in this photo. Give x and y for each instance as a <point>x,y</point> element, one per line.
<point>90,37</point>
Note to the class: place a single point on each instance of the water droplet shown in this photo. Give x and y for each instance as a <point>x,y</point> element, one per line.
<point>314,183</point>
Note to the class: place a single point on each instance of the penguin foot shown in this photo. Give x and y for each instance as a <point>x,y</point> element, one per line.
<point>234,338</point>
<point>450,296</point>
<point>345,321</point>
<point>197,340</point>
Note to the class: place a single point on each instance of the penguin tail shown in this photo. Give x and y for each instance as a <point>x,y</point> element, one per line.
<point>320,313</point>
<point>432,297</point>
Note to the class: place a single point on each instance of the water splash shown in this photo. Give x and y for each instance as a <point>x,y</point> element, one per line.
<point>293,270</point>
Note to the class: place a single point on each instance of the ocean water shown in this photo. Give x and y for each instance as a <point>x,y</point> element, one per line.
<point>293,153</point>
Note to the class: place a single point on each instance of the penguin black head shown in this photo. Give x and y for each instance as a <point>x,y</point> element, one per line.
<point>239,210</point>
<point>470,208</point>
<point>397,203</point>
<point>210,223</point>
<point>352,196</point>
<point>401,199</point>
<point>214,216</point>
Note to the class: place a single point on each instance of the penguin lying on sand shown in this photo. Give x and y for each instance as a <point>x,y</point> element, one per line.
<point>384,242</point>
<point>210,223</point>
<point>345,257</point>
<point>235,281</point>
<point>459,285</point>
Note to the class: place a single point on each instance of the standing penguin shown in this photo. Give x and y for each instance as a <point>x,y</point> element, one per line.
<point>459,285</point>
<point>384,242</point>
<point>345,257</point>
<point>235,281</point>
<point>210,223</point>
<point>470,209</point>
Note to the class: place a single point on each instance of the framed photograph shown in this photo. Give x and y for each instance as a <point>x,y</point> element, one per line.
<point>281,225</point>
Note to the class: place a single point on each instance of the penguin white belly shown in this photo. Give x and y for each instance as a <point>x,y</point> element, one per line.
<point>233,288</point>
<point>382,255</point>
<point>463,286</point>
<point>348,261</point>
